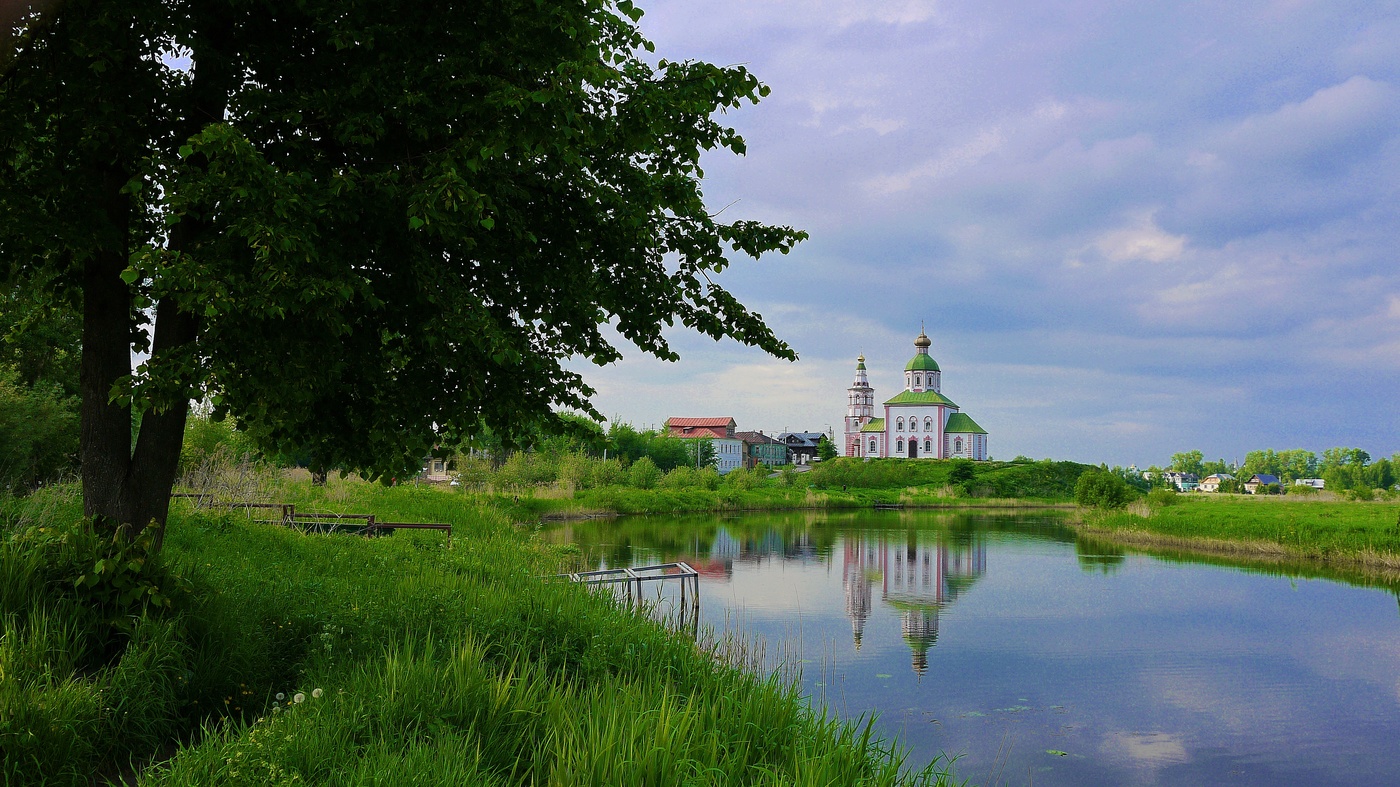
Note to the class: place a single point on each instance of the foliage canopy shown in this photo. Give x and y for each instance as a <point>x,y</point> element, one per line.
<point>362,229</point>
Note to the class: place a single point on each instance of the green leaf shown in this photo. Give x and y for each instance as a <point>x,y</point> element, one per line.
<point>488,222</point>
<point>186,151</point>
<point>414,222</point>
<point>130,276</point>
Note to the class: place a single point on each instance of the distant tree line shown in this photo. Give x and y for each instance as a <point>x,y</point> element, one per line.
<point>1342,468</point>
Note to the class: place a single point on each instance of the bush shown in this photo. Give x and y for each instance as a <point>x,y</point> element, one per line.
<point>709,478</point>
<point>1162,497</point>
<point>609,472</point>
<point>681,478</point>
<point>1301,489</point>
<point>960,471</point>
<point>38,434</point>
<point>643,474</point>
<point>745,478</point>
<point>1100,489</point>
<point>525,469</point>
<point>205,438</point>
<point>473,472</point>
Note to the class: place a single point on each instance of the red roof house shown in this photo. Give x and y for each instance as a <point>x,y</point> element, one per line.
<point>700,427</point>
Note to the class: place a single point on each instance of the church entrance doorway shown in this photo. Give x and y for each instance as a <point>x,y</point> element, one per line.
<point>913,449</point>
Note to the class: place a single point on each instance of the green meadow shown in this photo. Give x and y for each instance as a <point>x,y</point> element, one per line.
<point>249,653</point>
<point>1310,528</point>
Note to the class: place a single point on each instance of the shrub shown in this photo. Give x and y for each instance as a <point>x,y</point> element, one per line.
<point>473,472</point>
<point>1161,497</point>
<point>681,478</point>
<point>745,478</point>
<point>608,472</point>
<point>205,438</point>
<point>576,470</point>
<point>1101,489</point>
<point>1301,489</point>
<point>525,469</point>
<point>643,474</point>
<point>38,433</point>
<point>960,471</point>
<point>709,478</point>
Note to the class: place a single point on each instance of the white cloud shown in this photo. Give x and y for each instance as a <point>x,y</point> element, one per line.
<point>1338,115</point>
<point>1141,240</point>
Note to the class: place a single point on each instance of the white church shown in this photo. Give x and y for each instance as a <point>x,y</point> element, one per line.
<point>918,423</point>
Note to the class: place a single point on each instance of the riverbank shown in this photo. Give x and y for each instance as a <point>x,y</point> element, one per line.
<point>406,659</point>
<point>619,502</point>
<point>832,485</point>
<point>1362,535</point>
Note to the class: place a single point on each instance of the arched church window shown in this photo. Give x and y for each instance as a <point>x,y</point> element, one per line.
<point>928,424</point>
<point>899,446</point>
<point>899,425</point>
<point>872,446</point>
<point>918,380</point>
<point>957,446</point>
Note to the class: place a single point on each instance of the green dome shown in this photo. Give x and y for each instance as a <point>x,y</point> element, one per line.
<point>923,362</point>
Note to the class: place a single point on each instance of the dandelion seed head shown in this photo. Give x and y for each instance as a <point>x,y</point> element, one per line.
<point>316,693</point>
<point>281,696</point>
<point>299,698</point>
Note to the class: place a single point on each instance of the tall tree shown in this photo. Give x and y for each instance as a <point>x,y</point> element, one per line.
<point>1189,462</point>
<point>361,228</point>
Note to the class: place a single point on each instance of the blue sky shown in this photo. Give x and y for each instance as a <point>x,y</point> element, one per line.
<point>1130,229</point>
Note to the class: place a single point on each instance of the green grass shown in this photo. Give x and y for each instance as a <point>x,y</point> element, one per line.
<point>835,484</point>
<point>1318,529</point>
<point>419,660</point>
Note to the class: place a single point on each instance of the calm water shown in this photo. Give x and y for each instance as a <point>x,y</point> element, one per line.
<point>1005,640</point>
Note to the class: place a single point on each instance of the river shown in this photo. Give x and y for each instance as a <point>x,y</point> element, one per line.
<point>1036,657</point>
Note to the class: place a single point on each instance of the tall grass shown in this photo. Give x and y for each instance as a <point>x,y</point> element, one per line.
<point>416,659</point>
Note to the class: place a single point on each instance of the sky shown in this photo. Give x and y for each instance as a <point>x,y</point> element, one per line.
<point>1129,229</point>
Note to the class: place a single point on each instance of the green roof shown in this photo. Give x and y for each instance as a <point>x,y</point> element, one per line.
<point>921,362</point>
<point>921,397</point>
<point>959,423</point>
<point>875,425</point>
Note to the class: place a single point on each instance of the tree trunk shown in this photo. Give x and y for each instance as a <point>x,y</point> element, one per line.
<point>126,488</point>
<point>105,426</point>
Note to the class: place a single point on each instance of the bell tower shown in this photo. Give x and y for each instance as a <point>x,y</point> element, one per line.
<point>860,408</point>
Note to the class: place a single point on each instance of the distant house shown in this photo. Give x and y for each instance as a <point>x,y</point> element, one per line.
<point>1315,483</point>
<point>1211,483</point>
<point>1259,479</point>
<point>730,451</point>
<point>763,449</point>
<point>435,471</point>
<point>1184,482</point>
<point>802,445</point>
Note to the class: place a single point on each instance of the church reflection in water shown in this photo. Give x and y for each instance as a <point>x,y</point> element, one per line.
<point>917,579</point>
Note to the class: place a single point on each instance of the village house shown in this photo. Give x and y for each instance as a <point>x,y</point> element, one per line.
<point>802,446</point>
<point>1260,479</point>
<point>763,449</point>
<point>1211,483</point>
<point>1184,482</point>
<point>730,450</point>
